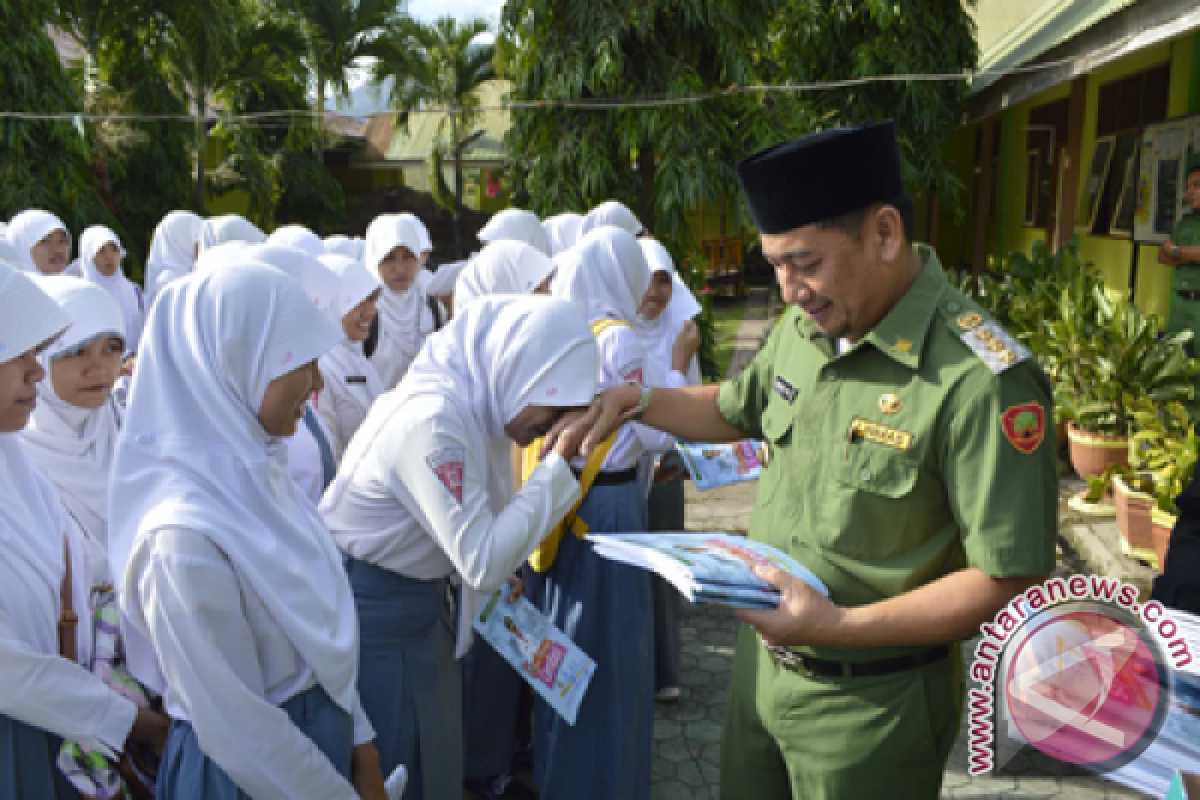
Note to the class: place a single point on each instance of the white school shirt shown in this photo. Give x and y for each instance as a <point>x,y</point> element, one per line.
<point>304,459</point>
<point>392,357</point>
<point>43,689</point>
<point>229,667</point>
<point>342,406</point>
<point>623,359</point>
<point>422,502</point>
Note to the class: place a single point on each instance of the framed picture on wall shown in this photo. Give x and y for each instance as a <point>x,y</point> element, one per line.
<point>1032,186</point>
<point>1093,187</point>
<point>1126,203</point>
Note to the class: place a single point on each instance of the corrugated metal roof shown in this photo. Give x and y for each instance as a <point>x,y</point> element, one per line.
<point>1054,23</point>
<point>416,144</point>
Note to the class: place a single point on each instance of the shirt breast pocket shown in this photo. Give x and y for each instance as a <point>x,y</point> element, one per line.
<point>776,424</point>
<point>866,507</point>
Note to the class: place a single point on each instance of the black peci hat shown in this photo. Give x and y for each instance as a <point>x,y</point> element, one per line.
<point>822,176</point>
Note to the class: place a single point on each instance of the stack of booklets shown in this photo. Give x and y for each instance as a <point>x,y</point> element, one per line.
<point>713,465</point>
<point>1177,747</point>
<point>706,567</point>
<point>540,653</point>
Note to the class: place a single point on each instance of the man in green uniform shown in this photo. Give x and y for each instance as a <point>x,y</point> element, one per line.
<point>909,470</point>
<point>1182,251</point>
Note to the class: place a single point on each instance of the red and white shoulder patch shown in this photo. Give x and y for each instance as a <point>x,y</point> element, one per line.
<point>449,466</point>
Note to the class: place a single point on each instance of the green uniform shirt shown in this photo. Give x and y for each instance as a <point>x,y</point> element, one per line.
<point>1187,234</point>
<point>1185,314</point>
<point>933,479</point>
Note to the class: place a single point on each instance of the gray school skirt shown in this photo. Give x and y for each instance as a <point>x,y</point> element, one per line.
<point>408,680</point>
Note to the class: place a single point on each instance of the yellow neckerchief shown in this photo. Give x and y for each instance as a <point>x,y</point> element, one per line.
<point>543,557</point>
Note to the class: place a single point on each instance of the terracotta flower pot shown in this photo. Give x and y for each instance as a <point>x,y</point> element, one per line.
<point>1162,524</point>
<point>1092,453</point>
<point>1133,516</point>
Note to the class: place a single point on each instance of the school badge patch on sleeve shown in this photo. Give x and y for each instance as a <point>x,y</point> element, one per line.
<point>448,465</point>
<point>1025,426</point>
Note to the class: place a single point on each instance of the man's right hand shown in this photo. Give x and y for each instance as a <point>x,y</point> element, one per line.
<point>582,434</point>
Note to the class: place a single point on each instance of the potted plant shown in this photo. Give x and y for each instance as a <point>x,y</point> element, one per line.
<point>1167,445</point>
<point>1109,366</point>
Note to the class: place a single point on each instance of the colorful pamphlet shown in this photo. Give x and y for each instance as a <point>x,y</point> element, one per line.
<point>543,655</point>
<point>713,465</point>
<point>706,567</point>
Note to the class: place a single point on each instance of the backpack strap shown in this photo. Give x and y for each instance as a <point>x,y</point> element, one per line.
<point>68,620</point>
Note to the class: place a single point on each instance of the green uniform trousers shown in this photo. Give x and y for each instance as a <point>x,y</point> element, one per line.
<point>789,736</point>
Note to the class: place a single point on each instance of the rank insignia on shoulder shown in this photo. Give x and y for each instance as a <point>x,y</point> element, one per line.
<point>994,345</point>
<point>970,320</point>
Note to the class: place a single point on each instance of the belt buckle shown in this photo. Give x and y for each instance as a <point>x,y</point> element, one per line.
<point>789,659</point>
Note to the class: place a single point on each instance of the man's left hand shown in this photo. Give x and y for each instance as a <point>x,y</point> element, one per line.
<point>804,617</point>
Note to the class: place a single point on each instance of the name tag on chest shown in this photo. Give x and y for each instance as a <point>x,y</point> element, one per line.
<point>881,434</point>
<point>784,389</point>
<point>356,379</point>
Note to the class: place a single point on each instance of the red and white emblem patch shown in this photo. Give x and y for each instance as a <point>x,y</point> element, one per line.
<point>449,465</point>
<point>632,373</point>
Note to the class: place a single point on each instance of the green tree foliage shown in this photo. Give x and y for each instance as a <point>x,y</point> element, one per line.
<point>144,165</point>
<point>662,160</point>
<point>441,65</point>
<point>818,40</point>
<point>337,35</point>
<point>43,164</point>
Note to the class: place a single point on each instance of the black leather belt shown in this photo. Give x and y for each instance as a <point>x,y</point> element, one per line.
<point>611,478</point>
<point>1191,295</point>
<point>819,667</point>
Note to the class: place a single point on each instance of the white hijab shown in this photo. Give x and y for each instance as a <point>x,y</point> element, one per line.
<point>229,228</point>
<point>8,253</point>
<point>611,213</point>
<point>347,357</point>
<point>28,228</point>
<point>32,521</point>
<point>506,267</point>
<point>401,314</point>
<point>300,237</point>
<point>499,356</point>
<point>563,231</point>
<point>321,285</point>
<point>351,247</point>
<point>516,225</point>
<point>605,275</point>
<point>658,335</point>
<point>426,241</point>
<point>122,290</point>
<point>72,446</point>
<point>172,250</point>
<point>194,455</point>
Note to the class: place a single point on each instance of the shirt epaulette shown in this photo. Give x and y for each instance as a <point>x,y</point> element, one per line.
<point>996,347</point>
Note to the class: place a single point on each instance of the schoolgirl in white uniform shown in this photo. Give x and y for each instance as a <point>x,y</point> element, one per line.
<point>72,435</point>
<point>46,697</point>
<point>611,213</point>
<point>228,228</point>
<point>173,250</point>
<point>425,492</point>
<point>100,257</point>
<point>351,382</point>
<point>563,231</point>
<point>312,455</point>
<point>492,689</point>
<point>514,224</point>
<point>42,242</point>
<point>406,314</point>
<point>506,267</point>
<point>233,596</point>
